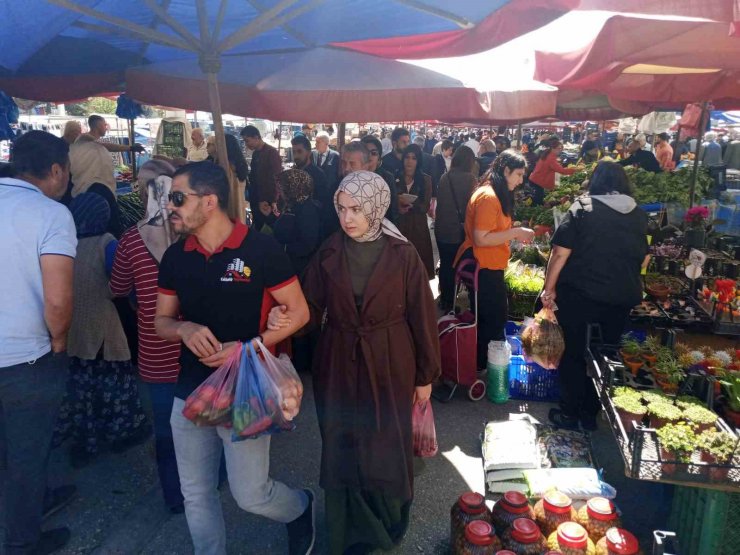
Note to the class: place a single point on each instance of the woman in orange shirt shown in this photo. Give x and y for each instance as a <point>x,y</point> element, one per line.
<point>543,176</point>
<point>487,234</point>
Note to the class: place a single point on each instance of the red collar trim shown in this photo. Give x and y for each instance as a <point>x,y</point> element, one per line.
<point>233,241</point>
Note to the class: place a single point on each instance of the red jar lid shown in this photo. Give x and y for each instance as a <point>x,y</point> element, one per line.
<point>557,502</point>
<point>601,508</point>
<point>621,542</point>
<point>524,530</point>
<point>514,502</point>
<point>472,503</point>
<point>479,532</point>
<point>505,552</point>
<point>572,535</point>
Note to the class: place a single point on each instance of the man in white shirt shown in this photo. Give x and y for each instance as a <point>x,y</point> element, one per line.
<point>473,145</point>
<point>197,151</point>
<point>38,244</point>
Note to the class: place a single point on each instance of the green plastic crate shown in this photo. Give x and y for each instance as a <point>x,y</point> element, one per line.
<point>706,522</point>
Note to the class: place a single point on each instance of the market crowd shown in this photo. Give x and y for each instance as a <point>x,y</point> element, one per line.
<point>334,267</point>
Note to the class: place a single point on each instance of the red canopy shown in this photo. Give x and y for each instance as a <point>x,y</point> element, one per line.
<point>717,10</point>
<point>667,62</point>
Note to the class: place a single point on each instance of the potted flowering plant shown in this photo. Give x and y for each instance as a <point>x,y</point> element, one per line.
<point>696,222</point>
<point>716,448</point>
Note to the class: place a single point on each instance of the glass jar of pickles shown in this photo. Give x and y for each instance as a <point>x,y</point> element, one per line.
<point>523,537</point>
<point>618,541</point>
<point>597,516</point>
<point>479,539</point>
<point>552,510</point>
<point>511,506</point>
<point>471,506</point>
<point>571,539</point>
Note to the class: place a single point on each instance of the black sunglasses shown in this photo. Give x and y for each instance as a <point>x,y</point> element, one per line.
<point>178,198</point>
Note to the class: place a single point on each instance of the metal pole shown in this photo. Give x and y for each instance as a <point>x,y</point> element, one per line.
<point>341,132</point>
<point>695,170</point>
<point>280,135</point>
<point>132,154</point>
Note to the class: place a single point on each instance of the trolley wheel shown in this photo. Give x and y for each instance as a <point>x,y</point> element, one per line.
<point>477,391</point>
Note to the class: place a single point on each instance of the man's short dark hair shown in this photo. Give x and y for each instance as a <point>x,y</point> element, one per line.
<point>399,132</point>
<point>209,179</point>
<point>251,131</point>
<point>357,146</point>
<point>664,136</point>
<point>372,140</point>
<point>35,152</point>
<point>447,144</point>
<point>93,120</point>
<point>301,140</point>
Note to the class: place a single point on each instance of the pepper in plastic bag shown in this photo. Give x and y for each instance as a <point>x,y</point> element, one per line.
<point>268,393</point>
<point>425,435</point>
<point>210,403</point>
<point>542,340</point>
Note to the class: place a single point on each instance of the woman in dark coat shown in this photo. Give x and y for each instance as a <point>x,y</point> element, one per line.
<point>412,219</point>
<point>378,353</point>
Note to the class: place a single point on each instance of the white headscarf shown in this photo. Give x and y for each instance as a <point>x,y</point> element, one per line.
<point>373,195</point>
<point>155,227</point>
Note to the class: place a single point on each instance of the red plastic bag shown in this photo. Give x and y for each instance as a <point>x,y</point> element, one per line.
<point>211,402</point>
<point>542,340</point>
<point>265,386</point>
<point>425,435</point>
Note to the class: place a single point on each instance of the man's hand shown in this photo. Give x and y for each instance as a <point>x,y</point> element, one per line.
<point>278,318</point>
<point>422,393</point>
<point>198,339</point>
<point>548,298</point>
<point>214,361</point>
<point>58,345</point>
<point>136,147</point>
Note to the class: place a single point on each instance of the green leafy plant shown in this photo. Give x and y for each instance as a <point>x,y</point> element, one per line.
<point>699,415</point>
<point>630,346</point>
<point>679,439</point>
<point>665,411</point>
<point>731,385</point>
<point>686,401</point>
<point>626,391</point>
<point>670,370</point>
<point>719,445</point>
<point>628,403</point>
<point>655,396</point>
<point>651,345</point>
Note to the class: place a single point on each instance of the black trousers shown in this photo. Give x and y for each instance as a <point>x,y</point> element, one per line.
<point>447,252</point>
<point>493,308</point>
<point>538,199</point>
<point>577,394</point>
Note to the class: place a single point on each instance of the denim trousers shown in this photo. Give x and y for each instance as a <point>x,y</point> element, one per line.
<point>198,450</point>
<point>162,395</point>
<point>30,396</point>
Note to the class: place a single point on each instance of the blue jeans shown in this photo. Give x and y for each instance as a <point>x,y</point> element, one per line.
<point>248,465</point>
<point>30,396</point>
<point>162,395</point>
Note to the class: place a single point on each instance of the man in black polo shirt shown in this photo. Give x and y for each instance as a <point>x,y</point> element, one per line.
<point>216,288</point>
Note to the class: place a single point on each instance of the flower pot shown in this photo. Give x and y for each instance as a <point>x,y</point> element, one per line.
<point>733,417</point>
<point>634,365</point>
<point>696,238</point>
<point>628,417</point>
<point>665,385</point>
<point>702,427</point>
<point>668,468</point>
<point>627,356</point>
<point>649,359</point>
<point>716,474</point>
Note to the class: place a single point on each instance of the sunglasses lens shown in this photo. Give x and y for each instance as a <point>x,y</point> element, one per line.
<point>177,198</point>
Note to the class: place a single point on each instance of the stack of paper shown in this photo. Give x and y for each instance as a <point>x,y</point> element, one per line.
<point>509,447</point>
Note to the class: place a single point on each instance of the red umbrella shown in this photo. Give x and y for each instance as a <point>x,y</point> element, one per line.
<point>717,10</point>
<point>668,62</point>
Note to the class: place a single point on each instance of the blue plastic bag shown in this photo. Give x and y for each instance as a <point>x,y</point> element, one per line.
<point>258,400</point>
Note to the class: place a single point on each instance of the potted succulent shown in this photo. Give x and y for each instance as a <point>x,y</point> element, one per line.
<point>716,448</point>
<point>654,396</point>
<point>631,349</point>
<point>630,409</point>
<point>662,413</point>
<point>685,401</point>
<point>731,385</point>
<point>626,391</point>
<point>677,442</point>
<point>702,418</point>
<point>668,374</point>
<point>650,349</point>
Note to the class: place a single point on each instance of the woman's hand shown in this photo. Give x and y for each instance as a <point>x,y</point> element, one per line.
<point>548,299</point>
<point>404,207</point>
<point>523,234</point>
<point>422,393</point>
<point>278,318</point>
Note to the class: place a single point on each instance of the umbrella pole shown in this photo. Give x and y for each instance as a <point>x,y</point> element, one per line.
<point>235,202</point>
<point>519,134</point>
<point>280,135</point>
<point>132,154</point>
<point>695,170</point>
<point>341,131</point>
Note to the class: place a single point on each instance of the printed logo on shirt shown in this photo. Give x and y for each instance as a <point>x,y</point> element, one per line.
<point>237,271</point>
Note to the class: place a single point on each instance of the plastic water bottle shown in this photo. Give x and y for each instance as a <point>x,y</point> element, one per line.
<point>499,353</point>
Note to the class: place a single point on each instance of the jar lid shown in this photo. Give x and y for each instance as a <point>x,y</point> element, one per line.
<point>472,503</point>
<point>479,532</point>
<point>601,508</point>
<point>515,502</point>
<point>505,552</point>
<point>524,530</point>
<point>572,535</point>
<point>557,502</point>
<point>621,542</point>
